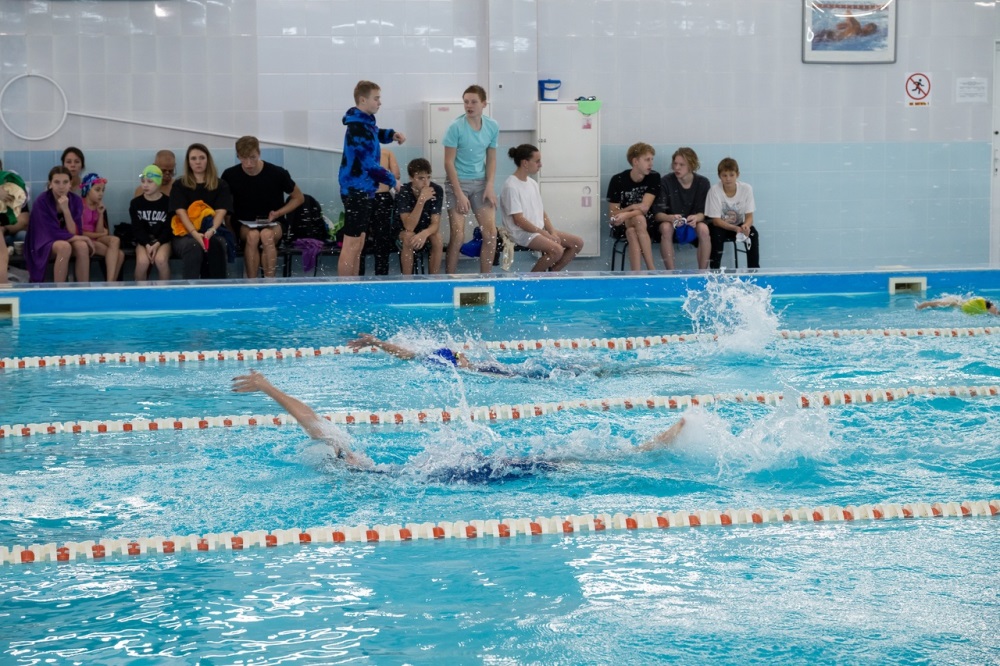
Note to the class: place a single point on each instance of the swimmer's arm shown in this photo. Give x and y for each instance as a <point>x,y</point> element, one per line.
<point>943,303</point>
<point>664,440</point>
<point>368,340</point>
<point>300,411</point>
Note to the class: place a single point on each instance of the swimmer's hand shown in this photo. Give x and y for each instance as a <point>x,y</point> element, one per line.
<point>368,340</point>
<point>364,340</point>
<point>354,460</point>
<point>664,439</point>
<point>251,383</point>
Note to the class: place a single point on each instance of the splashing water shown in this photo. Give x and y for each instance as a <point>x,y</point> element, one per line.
<point>739,312</point>
<point>782,439</point>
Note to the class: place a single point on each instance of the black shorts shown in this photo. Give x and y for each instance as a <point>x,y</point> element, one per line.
<point>358,208</point>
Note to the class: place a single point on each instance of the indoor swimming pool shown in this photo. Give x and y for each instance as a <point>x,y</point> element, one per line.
<point>600,366</point>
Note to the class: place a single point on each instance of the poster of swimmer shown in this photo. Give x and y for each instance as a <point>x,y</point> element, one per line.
<point>849,31</point>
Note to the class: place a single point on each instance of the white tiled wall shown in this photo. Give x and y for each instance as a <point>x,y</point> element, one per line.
<point>827,147</point>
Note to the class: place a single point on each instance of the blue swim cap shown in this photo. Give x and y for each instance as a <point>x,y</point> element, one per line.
<point>685,234</point>
<point>444,356</point>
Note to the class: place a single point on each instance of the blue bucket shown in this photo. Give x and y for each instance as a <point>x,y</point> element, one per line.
<point>548,90</point>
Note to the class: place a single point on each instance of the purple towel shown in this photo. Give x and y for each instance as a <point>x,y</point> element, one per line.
<point>44,230</point>
<point>310,250</point>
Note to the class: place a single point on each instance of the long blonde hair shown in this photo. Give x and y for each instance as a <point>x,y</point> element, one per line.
<point>211,174</point>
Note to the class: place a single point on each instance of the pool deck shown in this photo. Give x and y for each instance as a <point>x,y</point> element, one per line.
<point>179,296</point>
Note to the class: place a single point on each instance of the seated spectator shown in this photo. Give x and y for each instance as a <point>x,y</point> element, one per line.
<point>258,191</point>
<point>525,219</point>
<point>4,262</point>
<point>383,207</point>
<point>682,203</point>
<point>72,158</point>
<point>12,198</point>
<point>200,192</point>
<point>94,225</point>
<point>730,206</point>
<point>53,232</point>
<point>631,195</point>
<point>419,204</point>
<point>14,226</point>
<point>150,215</point>
<point>166,162</point>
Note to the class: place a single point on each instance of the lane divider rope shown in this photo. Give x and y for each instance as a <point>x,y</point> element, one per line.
<point>497,413</point>
<point>287,353</point>
<point>481,529</point>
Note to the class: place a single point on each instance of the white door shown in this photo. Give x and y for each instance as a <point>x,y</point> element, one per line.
<point>439,116</point>
<point>995,188</point>
<point>575,207</point>
<point>570,141</point>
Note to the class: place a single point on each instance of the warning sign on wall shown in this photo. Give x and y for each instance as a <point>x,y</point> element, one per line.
<point>918,89</point>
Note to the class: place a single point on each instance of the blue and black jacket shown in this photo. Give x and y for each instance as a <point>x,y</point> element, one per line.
<point>360,171</point>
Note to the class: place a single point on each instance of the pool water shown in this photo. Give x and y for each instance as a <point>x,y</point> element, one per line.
<point>892,592</point>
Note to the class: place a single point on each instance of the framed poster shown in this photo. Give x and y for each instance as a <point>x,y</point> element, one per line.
<point>849,31</point>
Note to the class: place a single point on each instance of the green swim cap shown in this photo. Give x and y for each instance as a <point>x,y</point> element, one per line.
<point>153,173</point>
<point>974,306</point>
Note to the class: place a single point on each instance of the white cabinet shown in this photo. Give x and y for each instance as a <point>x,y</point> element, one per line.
<point>438,117</point>
<point>570,143</point>
<point>574,206</point>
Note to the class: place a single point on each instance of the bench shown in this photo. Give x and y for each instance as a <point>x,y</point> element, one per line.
<point>620,249</point>
<point>18,261</point>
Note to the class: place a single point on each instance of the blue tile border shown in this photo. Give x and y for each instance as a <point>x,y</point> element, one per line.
<point>234,294</point>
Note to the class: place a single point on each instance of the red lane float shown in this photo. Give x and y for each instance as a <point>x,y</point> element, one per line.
<point>500,529</point>
<point>260,355</point>
<point>495,413</point>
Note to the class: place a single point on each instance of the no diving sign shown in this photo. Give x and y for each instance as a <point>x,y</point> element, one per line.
<point>918,89</point>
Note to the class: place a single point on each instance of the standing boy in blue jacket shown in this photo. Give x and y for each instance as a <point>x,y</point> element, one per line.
<point>360,172</point>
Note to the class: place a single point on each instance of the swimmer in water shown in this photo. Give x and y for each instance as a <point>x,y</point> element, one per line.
<point>848,28</point>
<point>973,306</point>
<point>481,470</point>
<point>448,358</point>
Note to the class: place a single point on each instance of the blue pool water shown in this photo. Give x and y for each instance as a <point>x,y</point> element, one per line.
<point>893,592</point>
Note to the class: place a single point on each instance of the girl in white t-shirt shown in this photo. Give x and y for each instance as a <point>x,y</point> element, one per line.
<point>524,217</point>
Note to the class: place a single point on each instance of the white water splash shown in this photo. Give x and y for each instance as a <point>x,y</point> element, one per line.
<point>738,311</point>
<point>779,440</point>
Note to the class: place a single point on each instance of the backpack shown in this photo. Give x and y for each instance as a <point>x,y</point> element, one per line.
<point>124,231</point>
<point>307,221</point>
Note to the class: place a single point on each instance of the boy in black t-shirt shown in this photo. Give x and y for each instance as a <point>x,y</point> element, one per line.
<point>419,206</point>
<point>150,215</point>
<point>259,190</point>
<point>631,195</point>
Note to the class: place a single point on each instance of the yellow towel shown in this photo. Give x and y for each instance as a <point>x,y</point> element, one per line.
<point>198,213</point>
